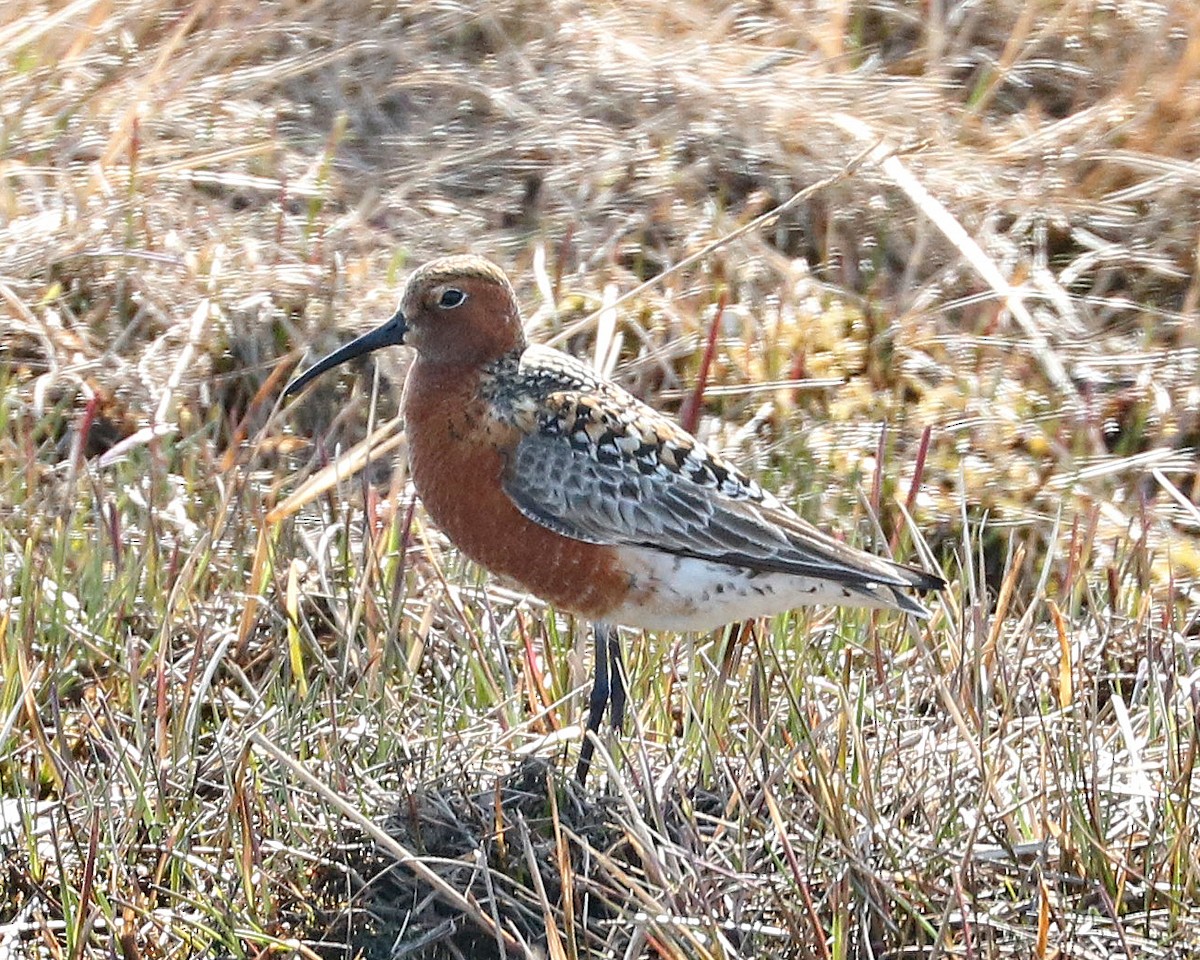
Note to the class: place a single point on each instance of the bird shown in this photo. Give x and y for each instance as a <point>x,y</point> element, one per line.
<point>554,477</point>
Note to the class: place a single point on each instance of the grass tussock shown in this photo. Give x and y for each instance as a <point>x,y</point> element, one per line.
<point>238,720</point>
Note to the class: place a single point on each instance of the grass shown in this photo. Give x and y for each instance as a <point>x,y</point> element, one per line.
<point>240,717</point>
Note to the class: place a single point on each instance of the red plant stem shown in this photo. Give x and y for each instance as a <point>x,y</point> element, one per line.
<point>689,415</point>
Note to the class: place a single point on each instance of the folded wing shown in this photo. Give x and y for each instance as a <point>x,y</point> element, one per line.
<point>602,467</point>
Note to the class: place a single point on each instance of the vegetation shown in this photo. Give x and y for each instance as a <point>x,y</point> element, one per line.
<point>244,714</point>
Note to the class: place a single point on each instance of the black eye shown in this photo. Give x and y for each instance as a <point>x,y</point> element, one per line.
<point>452,298</point>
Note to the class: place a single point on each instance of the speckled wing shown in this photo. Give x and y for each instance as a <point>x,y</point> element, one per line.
<point>598,465</point>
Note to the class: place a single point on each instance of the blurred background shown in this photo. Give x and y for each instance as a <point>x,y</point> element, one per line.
<point>977,308</point>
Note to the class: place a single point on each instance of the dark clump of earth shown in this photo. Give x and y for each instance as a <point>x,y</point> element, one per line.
<point>485,843</point>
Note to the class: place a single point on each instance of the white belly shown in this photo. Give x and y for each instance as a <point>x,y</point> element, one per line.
<point>670,592</point>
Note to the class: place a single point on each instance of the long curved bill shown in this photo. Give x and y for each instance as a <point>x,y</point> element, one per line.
<point>389,334</point>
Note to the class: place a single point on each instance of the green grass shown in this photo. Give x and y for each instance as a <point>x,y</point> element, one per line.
<point>209,704</point>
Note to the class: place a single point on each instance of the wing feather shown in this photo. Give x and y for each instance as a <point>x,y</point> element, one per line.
<point>598,465</point>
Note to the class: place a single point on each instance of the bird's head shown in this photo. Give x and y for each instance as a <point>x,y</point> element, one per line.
<point>454,310</point>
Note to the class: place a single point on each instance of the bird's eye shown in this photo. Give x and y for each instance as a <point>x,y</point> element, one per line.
<point>452,298</point>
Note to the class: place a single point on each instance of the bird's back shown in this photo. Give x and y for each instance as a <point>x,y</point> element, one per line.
<point>596,465</point>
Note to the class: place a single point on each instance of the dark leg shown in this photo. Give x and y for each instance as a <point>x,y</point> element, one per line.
<point>598,700</point>
<point>616,670</point>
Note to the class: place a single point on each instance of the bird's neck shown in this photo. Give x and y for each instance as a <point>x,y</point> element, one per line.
<point>456,445</point>
<point>441,391</point>
<point>448,412</point>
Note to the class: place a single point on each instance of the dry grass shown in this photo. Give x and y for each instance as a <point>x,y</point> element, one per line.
<point>203,714</point>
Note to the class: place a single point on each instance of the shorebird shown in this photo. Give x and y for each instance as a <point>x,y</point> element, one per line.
<point>544,472</point>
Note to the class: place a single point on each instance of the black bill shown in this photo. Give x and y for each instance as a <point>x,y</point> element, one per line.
<point>389,334</point>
